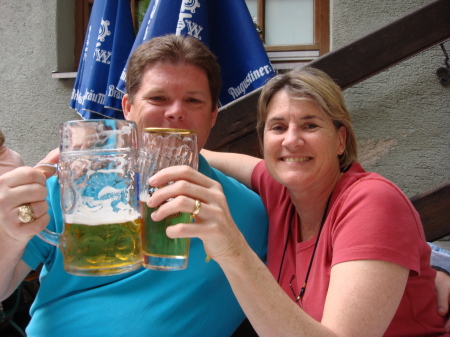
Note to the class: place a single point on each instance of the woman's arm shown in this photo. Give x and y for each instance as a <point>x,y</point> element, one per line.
<point>354,306</point>
<point>442,284</point>
<point>363,296</point>
<point>238,166</point>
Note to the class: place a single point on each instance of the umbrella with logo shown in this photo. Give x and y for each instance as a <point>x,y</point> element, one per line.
<point>109,39</point>
<point>226,27</point>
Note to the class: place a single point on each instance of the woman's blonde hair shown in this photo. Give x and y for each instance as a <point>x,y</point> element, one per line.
<point>313,84</point>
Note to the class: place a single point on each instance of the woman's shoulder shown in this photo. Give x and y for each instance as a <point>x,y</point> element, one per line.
<point>357,178</point>
<point>369,197</point>
<point>357,185</point>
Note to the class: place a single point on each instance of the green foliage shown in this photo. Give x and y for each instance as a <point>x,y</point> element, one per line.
<point>141,9</point>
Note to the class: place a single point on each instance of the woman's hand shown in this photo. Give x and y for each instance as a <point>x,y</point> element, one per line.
<point>213,224</point>
<point>442,284</point>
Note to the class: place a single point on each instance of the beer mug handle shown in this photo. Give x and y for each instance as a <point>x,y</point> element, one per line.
<point>54,166</point>
<point>50,237</point>
<point>46,235</point>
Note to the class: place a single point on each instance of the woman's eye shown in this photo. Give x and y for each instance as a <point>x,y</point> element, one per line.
<point>277,128</point>
<point>310,126</point>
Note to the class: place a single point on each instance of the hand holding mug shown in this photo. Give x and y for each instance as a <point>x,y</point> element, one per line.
<point>98,190</point>
<point>162,148</point>
<point>22,188</point>
<point>213,224</point>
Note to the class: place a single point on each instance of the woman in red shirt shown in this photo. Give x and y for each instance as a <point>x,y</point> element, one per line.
<point>346,255</point>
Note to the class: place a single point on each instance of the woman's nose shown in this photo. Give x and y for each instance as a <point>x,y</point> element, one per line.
<point>292,138</point>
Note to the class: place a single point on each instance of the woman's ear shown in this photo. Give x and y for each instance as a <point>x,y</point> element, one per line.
<point>342,136</point>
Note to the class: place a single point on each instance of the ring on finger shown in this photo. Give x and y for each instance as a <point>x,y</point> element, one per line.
<point>26,214</point>
<point>198,204</point>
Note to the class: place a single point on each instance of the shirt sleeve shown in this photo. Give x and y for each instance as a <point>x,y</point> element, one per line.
<point>257,176</point>
<point>375,220</point>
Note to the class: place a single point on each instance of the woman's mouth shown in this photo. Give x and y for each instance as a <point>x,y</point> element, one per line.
<point>296,159</point>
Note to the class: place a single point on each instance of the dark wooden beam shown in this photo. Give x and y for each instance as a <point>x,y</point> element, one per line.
<point>365,57</point>
<point>235,121</point>
<point>434,209</point>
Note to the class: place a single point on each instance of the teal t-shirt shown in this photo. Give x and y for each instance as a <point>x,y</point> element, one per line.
<point>197,301</point>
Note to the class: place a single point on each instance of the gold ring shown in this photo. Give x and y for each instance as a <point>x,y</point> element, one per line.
<point>26,214</point>
<point>198,204</point>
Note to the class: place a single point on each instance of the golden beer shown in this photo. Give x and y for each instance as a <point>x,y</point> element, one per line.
<point>160,251</point>
<point>102,249</point>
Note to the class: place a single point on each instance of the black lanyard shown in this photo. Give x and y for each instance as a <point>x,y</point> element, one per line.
<point>324,217</point>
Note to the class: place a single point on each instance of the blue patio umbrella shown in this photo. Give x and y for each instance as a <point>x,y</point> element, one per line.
<point>109,38</point>
<point>226,27</point>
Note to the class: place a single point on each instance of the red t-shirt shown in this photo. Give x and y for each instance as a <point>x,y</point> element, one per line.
<point>368,218</point>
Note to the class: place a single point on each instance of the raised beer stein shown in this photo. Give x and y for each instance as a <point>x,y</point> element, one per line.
<point>97,177</point>
<point>161,148</point>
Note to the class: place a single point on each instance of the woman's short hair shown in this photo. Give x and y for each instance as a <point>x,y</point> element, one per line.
<point>313,84</point>
<point>175,50</point>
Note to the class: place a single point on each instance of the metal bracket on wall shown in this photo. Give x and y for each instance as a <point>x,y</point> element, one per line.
<point>443,73</point>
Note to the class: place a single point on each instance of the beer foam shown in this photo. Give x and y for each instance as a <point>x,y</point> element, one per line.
<point>102,218</point>
<point>90,211</point>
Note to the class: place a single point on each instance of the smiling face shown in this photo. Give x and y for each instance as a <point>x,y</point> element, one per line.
<point>173,96</point>
<point>301,143</point>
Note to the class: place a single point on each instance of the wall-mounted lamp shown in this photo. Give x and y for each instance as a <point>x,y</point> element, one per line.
<point>443,73</point>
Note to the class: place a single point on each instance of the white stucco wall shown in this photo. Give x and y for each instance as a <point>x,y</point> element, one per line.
<point>401,116</point>
<point>32,103</point>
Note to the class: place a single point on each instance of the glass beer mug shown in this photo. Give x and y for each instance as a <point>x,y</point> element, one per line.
<point>161,148</point>
<point>98,187</point>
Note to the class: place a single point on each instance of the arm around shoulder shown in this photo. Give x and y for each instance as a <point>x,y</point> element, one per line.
<point>236,165</point>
